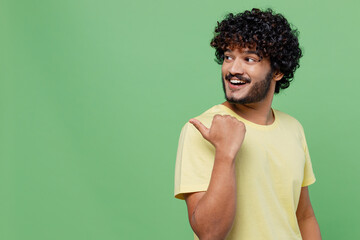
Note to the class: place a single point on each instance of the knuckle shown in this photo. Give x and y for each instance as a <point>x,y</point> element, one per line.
<point>241,125</point>
<point>233,119</point>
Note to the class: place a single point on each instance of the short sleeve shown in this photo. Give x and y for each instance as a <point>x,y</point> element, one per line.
<point>194,162</point>
<point>309,176</point>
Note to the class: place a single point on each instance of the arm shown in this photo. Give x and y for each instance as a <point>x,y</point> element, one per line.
<point>308,225</point>
<point>212,213</point>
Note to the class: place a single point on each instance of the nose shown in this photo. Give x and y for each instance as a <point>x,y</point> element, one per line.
<point>236,67</point>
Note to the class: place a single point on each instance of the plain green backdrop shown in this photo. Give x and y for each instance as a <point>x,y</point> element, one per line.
<point>93,95</point>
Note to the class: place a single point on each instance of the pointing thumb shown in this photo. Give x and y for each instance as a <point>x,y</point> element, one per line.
<point>199,126</point>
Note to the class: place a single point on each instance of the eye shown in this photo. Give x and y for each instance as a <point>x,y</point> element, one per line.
<point>251,60</point>
<point>226,57</point>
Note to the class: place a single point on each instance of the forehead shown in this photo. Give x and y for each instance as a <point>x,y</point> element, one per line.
<point>240,50</point>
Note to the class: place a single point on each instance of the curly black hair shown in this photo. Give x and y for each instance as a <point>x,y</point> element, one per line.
<point>268,32</point>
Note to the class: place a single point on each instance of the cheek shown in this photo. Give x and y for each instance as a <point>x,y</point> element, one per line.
<point>257,73</point>
<point>224,72</point>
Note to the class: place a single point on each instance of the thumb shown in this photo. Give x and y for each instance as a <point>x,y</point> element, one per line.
<point>202,129</point>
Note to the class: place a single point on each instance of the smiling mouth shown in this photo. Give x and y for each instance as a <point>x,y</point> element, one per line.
<point>237,82</point>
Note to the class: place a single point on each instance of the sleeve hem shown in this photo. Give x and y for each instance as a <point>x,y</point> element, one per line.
<point>179,193</point>
<point>309,182</point>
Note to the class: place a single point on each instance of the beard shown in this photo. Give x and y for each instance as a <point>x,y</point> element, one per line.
<point>256,93</point>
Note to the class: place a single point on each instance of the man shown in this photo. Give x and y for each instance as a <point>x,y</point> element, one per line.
<point>242,167</point>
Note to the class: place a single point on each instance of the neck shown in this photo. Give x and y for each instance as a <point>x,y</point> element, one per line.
<point>259,113</point>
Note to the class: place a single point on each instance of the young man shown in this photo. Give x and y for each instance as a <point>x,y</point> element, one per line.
<point>242,167</point>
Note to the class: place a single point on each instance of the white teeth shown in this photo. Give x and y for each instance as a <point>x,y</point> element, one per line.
<point>237,81</point>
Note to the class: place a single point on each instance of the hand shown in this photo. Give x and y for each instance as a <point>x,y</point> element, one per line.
<point>226,133</point>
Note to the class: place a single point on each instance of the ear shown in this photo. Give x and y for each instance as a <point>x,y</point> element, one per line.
<point>278,76</point>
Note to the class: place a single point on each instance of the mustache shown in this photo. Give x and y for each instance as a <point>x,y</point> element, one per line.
<point>238,76</point>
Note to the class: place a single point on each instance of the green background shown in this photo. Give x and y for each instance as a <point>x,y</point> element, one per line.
<point>93,95</point>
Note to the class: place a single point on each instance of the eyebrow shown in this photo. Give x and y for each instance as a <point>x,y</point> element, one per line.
<point>252,52</point>
<point>247,52</point>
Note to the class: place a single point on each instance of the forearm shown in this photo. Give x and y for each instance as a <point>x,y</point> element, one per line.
<point>309,228</point>
<point>214,215</point>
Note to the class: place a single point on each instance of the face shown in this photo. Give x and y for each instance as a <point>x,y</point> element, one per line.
<point>246,76</point>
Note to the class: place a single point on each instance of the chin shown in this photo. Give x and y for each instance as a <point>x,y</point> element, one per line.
<point>236,97</point>
<point>232,99</point>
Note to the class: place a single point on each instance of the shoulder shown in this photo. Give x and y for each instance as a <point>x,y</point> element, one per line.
<point>207,116</point>
<point>189,131</point>
<point>289,122</point>
<point>285,118</point>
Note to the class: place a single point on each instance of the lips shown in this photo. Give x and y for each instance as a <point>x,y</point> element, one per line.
<point>235,84</point>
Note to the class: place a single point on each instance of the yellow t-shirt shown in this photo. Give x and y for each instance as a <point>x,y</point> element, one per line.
<point>272,165</point>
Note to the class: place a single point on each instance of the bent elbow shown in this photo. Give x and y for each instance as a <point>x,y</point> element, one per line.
<point>212,236</point>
